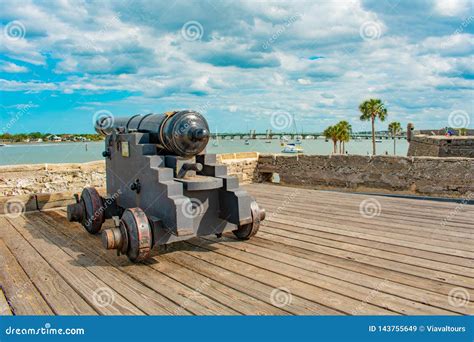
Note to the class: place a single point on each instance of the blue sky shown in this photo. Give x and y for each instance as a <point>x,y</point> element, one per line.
<point>245,64</point>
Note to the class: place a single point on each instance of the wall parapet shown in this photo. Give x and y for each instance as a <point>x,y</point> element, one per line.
<point>430,176</point>
<point>51,178</point>
<point>451,176</point>
<point>441,146</point>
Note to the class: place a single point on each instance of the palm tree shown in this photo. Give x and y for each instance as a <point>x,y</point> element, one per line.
<point>332,133</point>
<point>394,128</point>
<point>344,134</point>
<point>372,109</point>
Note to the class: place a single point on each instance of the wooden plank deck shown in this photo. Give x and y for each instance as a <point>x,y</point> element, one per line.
<point>318,253</point>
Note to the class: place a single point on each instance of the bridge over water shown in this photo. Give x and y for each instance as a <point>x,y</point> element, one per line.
<point>293,135</point>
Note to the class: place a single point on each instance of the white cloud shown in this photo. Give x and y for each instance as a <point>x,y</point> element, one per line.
<point>12,68</point>
<point>453,7</point>
<point>451,45</point>
<point>315,60</point>
<point>7,85</point>
<point>304,81</point>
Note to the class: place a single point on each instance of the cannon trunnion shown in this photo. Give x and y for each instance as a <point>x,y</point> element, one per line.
<point>162,188</point>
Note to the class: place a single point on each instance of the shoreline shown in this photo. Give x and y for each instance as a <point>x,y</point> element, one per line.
<point>22,143</point>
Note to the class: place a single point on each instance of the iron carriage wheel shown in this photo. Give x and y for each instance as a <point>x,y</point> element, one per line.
<point>246,231</point>
<point>133,237</point>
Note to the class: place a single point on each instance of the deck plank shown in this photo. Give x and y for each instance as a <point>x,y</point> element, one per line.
<point>92,289</point>
<point>19,289</point>
<point>5,309</point>
<point>391,287</point>
<point>148,301</point>
<point>60,296</point>
<point>352,252</point>
<point>324,214</point>
<point>418,256</point>
<point>314,244</point>
<point>411,209</point>
<point>314,276</point>
<point>391,246</point>
<point>184,297</point>
<point>305,290</point>
<point>355,266</point>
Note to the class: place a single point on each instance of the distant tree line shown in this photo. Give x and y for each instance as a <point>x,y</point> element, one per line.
<point>35,136</point>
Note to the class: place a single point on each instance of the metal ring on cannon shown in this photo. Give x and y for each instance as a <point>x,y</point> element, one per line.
<point>248,230</point>
<point>89,210</point>
<point>133,237</point>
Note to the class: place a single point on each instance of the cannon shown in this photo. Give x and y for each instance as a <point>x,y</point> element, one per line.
<point>162,187</point>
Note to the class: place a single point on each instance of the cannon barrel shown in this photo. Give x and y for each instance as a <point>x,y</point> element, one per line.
<point>183,133</point>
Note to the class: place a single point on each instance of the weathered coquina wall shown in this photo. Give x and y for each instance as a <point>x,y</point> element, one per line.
<point>417,175</point>
<point>441,146</point>
<point>52,178</point>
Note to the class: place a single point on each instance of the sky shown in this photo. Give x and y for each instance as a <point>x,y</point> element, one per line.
<point>279,65</point>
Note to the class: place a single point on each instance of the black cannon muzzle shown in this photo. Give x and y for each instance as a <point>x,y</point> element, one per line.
<point>183,133</point>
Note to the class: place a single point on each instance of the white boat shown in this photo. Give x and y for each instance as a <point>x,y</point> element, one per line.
<point>292,148</point>
<point>247,142</point>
